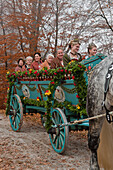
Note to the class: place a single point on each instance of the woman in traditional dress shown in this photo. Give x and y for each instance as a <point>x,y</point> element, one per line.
<point>58,61</point>
<point>28,63</point>
<point>20,62</point>
<point>73,54</point>
<point>47,62</point>
<point>92,50</point>
<point>37,61</point>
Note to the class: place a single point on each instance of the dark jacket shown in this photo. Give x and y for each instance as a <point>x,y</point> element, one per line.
<point>67,59</point>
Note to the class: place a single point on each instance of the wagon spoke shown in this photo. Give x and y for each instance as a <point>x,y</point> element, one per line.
<point>11,116</point>
<point>54,140</point>
<point>61,139</point>
<point>13,120</point>
<point>18,119</point>
<point>57,144</point>
<point>62,133</point>
<point>19,116</point>
<point>56,118</point>
<point>53,120</point>
<point>17,109</point>
<point>14,103</point>
<point>60,121</point>
<point>62,128</point>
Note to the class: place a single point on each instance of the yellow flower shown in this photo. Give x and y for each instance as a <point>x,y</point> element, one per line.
<point>47,93</point>
<point>30,69</point>
<point>71,61</point>
<point>8,72</point>
<point>38,99</point>
<point>7,89</point>
<point>24,98</point>
<point>78,107</point>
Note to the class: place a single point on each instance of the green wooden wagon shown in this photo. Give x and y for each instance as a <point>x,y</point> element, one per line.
<point>57,92</point>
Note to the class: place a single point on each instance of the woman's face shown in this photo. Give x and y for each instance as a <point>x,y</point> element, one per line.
<point>49,60</point>
<point>60,54</point>
<point>93,51</point>
<point>29,61</point>
<point>37,57</point>
<point>75,47</point>
<point>21,63</point>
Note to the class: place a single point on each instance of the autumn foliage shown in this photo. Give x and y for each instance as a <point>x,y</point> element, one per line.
<point>28,26</point>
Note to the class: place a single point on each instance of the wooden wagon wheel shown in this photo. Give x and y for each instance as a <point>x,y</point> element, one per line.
<point>16,118</point>
<point>59,140</point>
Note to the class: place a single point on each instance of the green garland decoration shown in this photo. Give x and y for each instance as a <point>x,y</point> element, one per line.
<point>71,91</point>
<point>33,102</point>
<point>19,87</point>
<point>8,97</point>
<point>43,88</point>
<point>74,70</point>
<point>32,88</point>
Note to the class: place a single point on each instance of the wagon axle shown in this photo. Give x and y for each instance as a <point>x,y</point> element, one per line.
<point>11,112</point>
<point>52,130</point>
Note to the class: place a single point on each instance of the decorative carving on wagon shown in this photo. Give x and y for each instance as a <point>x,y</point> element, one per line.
<point>59,94</point>
<point>25,91</point>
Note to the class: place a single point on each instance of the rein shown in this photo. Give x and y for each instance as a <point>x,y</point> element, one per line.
<point>79,121</point>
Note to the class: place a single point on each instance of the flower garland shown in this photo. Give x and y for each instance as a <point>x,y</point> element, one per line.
<point>73,71</point>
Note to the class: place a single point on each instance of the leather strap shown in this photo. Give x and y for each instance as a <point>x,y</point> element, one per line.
<point>106,88</point>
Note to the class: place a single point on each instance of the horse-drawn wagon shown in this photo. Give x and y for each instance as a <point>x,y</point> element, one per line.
<point>59,95</point>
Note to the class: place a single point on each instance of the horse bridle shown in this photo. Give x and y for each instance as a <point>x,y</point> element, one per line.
<point>106,88</point>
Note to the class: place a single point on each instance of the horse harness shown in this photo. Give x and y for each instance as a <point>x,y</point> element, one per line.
<point>106,88</point>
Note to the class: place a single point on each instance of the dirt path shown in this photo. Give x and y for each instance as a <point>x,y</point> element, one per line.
<point>31,149</point>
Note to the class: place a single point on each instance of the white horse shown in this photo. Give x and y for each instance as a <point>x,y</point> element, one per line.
<point>95,97</point>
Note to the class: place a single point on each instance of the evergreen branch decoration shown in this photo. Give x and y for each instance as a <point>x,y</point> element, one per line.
<point>43,88</point>
<point>31,88</point>
<point>71,91</point>
<point>19,87</point>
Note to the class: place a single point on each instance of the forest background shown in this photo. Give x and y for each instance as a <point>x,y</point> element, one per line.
<point>29,26</point>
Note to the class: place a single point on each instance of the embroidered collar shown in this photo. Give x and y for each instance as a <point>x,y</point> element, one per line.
<point>73,54</point>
